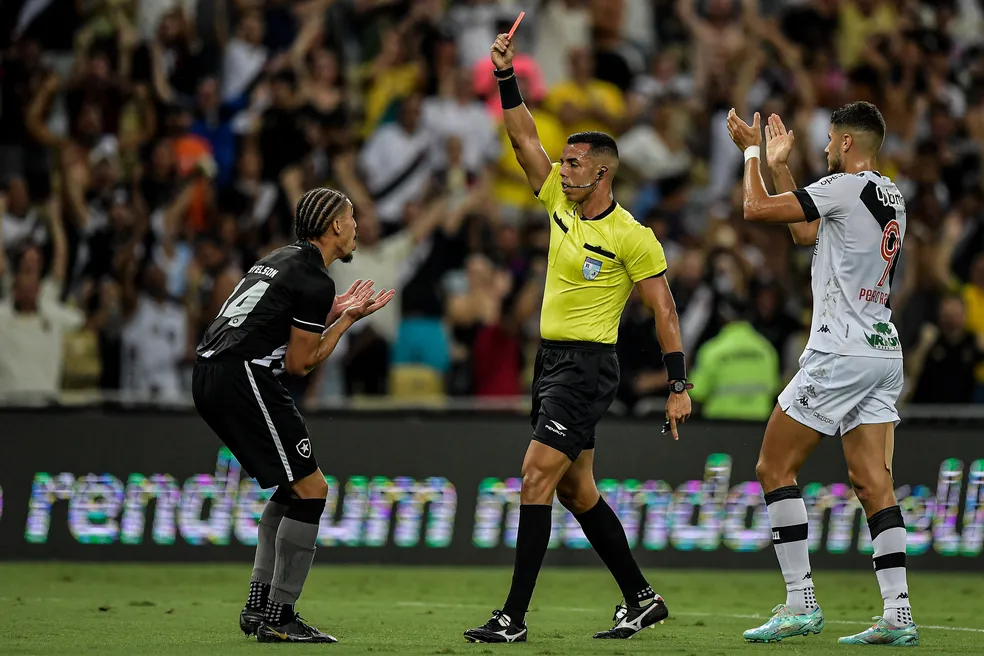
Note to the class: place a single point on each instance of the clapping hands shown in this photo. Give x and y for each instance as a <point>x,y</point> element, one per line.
<point>358,302</point>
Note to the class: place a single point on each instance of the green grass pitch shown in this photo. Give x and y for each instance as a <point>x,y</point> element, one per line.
<point>109,610</point>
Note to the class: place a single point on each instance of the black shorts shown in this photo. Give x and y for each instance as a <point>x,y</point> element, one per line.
<point>574,384</point>
<point>256,418</point>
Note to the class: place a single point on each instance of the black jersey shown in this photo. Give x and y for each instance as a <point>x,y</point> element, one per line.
<point>288,287</point>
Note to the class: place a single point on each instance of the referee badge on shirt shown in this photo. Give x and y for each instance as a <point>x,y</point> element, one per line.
<point>591,268</point>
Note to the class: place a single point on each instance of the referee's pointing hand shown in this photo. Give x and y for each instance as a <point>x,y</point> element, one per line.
<point>677,411</point>
<point>502,52</point>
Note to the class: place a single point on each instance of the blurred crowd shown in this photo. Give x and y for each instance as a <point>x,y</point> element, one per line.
<point>151,150</point>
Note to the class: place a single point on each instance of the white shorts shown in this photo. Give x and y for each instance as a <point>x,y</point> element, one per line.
<point>832,392</point>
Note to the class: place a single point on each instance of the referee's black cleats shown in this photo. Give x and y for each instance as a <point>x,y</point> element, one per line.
<point>500,628</point>
<point>630,620</point>
<point>296,630</point>
<point>250,620</point>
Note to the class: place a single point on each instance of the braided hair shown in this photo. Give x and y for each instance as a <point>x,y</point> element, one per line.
<point>316,210</point>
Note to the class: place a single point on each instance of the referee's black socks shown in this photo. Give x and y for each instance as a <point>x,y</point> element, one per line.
<point>605,533</point>
<point>531,546</point>
<point>296,540</point>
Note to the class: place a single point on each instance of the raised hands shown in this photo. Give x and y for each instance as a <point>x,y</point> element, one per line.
<point>356,294</point>
<point>368,305</point>
<point>745,135</point>
<point>778,142</point>
<point>358,302</point>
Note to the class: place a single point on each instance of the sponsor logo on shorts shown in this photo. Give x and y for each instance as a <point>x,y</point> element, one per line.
<point>803,401</point>
<point>556,427</point>
<point>825,420</point>
<point>304,447</point>
<point>823,329</point>
<point>883,338</point>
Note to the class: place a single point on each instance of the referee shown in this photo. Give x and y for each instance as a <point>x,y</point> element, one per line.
<point>597,253</point>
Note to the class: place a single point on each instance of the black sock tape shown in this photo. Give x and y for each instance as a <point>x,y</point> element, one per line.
<point>883,520</point>
<point>308,511</point>
<point>782,493</point>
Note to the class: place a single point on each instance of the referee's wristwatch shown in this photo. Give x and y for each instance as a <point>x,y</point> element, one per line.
<point>680,386</point>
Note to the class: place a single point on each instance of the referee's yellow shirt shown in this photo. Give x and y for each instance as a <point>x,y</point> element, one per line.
<point>592,266</point>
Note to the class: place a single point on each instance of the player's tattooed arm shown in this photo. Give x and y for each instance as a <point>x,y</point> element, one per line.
<point>519,123</point>
<point>759,206</point>
<point>779,144</point>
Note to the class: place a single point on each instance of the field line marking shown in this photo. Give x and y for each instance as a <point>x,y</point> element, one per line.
<point>736,616</point>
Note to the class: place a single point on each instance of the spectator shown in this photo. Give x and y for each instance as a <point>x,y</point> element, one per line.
<point>736,374</point>
<point>397,161</point>
<point>657,150</point>
<point>773,320</point>
<point>944,360</point>
<point>245,57</point>
<point>585,103</point>
<point>21,226</point>
<point>382,260</point>
<point>282,138</point>
<point>562,26</point>
<point>422,337</point>
<point>477,305</point>
<point>213,123</point>
<point>34,321</point>
<point>497,351</point>
<point>154,336</point>
<point>458,113</point>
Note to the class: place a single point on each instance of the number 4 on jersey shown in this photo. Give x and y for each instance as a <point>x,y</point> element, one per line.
<point>238,306</point>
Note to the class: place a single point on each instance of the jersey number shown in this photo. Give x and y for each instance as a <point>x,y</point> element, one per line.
<point>237,308</point>
<point>891,244</point>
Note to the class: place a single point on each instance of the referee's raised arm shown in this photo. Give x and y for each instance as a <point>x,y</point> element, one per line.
<point>519,123</point>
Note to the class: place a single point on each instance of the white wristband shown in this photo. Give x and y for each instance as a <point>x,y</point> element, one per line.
<point>752,151</point>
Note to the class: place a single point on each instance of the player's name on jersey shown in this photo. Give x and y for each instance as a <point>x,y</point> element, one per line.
<point>873,296</point>
<point>262,270</point>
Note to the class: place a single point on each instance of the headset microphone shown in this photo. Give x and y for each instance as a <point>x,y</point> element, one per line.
<point>590,184</point>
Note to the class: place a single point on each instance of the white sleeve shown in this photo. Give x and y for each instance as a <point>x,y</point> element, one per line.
<point>67,317</point>
<point>832,197</point>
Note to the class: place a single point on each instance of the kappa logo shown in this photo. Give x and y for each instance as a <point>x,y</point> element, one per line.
<point>304,447</point>
<point>556,427</point>
<point>809,575</point>
<point>823,329</point>
<point>803,401</point>
<point>591,268</point>
<point>903,595</point>
<point>825,420</point>
<point>809,390</point>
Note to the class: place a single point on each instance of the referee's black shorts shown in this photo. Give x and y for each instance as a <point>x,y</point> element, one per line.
<point>256,418</point>
<point>574,383</point>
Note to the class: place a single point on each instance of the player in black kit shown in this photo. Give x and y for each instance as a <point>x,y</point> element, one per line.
<point>283,316</point>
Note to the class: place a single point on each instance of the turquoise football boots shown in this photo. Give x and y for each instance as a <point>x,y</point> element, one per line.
<point>784,624</point>
<point>883,633</point>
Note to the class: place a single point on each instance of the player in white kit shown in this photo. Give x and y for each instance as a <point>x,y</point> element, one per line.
<point>850,375</point>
